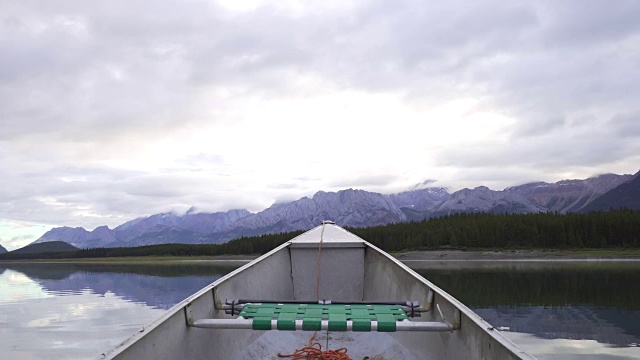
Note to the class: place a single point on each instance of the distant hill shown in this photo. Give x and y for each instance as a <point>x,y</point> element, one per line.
<point>625,196</point>
<point>2,250</point>
<point>50,246</point>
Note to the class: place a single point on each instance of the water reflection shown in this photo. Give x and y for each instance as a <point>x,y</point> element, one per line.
<point>17,287</point>
<point>554,310</point>
<point>78,311</point>
<point>156,286</point>
<point>569,349</point>
<point>539,283</point>
<point>606,325</point>
<point>585,301</point>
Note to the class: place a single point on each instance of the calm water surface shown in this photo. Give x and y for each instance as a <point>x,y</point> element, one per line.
<point>63,311</point>
<point>554,310</point>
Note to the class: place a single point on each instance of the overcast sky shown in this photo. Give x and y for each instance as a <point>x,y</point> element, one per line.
<point>111,110</point>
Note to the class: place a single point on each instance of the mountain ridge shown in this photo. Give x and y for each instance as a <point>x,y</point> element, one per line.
<point>569,195</point>
<point>349,207</point>
<point>625,195</point>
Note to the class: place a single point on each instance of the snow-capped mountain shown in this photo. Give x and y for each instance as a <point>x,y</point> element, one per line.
<point>350,208</point>
<point>421,200</point>
<point>483,199</point>
<point>356,208</point>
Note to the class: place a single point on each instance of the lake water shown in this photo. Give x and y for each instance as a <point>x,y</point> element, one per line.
<point>554,310</point>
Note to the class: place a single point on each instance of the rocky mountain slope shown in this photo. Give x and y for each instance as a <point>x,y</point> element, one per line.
<point>626,195</point>
<point>2,250</point>
<point>154,229</point>
<point>354,207</point>
<point>170,228</point>
<point>421,200</point>
<point>79,237</point>
<point>568,195</point>
<point>351,208</point>
<point>483,199</point>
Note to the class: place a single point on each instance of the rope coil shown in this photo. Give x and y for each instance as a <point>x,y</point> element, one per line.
<point>314,352</point>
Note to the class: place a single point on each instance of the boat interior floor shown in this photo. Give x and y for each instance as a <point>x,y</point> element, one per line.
<point>372,345</point>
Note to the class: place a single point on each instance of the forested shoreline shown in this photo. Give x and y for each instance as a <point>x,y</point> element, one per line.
<point>465,231</point>
<point>602,229</point>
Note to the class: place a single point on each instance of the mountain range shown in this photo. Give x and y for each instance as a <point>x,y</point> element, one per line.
<point>359,208</point>
<point>2,250</point>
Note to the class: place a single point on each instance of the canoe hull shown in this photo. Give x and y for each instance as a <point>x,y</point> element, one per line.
<point>349,271</point>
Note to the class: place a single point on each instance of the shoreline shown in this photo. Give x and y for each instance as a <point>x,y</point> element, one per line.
<point>406,257</point>
<point>519,255</point>
<point>144,260</point>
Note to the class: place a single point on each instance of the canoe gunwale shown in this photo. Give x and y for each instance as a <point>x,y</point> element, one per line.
<point>462,308</point>
<point>184,306</point>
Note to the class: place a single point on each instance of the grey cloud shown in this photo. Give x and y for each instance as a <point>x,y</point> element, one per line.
<point>284,186</point>
<point>306,179</point>
<point>88,77</point>
<point>362,181</point>
<point>381,46</point>
<point>425,184</point>
<point>581,144</point>
<point>585,22</point>
<point>536,126</point>
<point>84,85</point>
<point>16,242</point>
<point>203,160</point>
<point>626,125</point>
<point>19,238</point>
<point>498,177</point>
<point>56,196</point>
<point>475,28</point>
<point>169,185</point>
<point>94,196</point>
<point>292,196</point>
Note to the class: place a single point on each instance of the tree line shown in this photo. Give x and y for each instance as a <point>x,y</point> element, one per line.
<point>610,229</point>
<point>602,229</point>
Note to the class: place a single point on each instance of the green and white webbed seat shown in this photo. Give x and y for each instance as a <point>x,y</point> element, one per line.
<point>323,316</point>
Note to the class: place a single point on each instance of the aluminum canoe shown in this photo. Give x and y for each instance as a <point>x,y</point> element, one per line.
<point>351,271</point>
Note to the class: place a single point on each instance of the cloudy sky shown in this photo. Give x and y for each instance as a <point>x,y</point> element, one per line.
<point>111,110</point>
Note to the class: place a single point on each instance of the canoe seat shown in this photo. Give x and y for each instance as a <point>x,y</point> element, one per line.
<point>316,317</point>
<point>312,315</point>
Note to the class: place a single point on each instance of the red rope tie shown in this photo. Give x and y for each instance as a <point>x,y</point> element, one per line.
<point>314,352</point>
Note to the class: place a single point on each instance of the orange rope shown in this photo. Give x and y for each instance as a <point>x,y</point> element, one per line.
<point>314,350</point>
